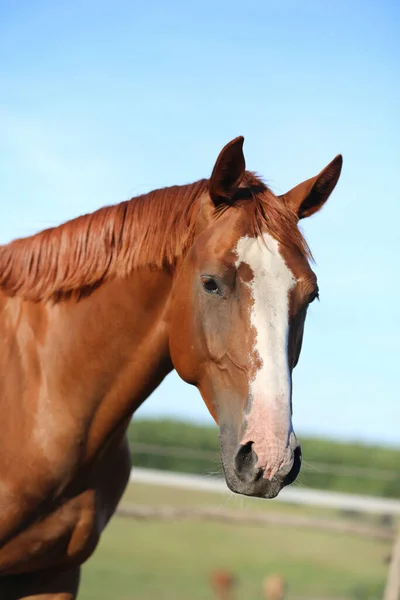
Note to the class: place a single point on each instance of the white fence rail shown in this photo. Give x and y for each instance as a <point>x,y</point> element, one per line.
<point>292,495</point>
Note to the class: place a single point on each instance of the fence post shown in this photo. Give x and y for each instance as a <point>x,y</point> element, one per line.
<point>392,590</point>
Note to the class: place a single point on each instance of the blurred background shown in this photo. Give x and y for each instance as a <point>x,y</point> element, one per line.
<point>102,101</point>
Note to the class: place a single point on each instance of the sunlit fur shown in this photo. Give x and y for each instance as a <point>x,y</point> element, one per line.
<point>95,313</point>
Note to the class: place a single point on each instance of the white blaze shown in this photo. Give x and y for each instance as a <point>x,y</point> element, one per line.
<point>269,418</point>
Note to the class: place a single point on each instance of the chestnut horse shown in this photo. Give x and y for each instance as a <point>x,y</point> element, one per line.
<point>211,279</point>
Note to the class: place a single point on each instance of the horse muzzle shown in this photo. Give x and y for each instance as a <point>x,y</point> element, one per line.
<point>244,474</point>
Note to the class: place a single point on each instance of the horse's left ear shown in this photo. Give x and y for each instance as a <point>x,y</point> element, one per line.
<point>308,197</point>
<point>228,172</point>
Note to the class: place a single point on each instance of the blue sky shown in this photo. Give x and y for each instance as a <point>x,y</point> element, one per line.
<point>101,101</point>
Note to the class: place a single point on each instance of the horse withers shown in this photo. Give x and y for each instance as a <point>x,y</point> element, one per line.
<point>212,279</point>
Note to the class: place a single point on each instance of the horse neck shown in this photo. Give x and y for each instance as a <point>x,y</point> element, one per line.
<point>123,323</point>
<point>100,357</point>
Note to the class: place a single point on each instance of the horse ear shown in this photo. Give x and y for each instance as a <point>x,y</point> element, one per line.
<point>228,172</point>
<point>308,197</point>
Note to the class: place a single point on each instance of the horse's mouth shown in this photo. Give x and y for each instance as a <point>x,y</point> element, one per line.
<point>263,488</point>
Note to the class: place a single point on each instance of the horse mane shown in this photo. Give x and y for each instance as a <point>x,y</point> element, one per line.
<point>152,230</point>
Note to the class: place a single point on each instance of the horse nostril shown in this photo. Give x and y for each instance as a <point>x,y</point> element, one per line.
<point>297,455</point>
<point>245,463</point>
<point>295,470</point>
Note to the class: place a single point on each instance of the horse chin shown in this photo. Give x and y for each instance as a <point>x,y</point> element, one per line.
<point>262,488</point>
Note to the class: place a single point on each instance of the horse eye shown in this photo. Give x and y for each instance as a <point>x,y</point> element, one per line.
<point>314,296</point>
<point>210,285</point>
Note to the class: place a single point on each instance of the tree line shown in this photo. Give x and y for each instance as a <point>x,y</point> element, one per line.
<point>327,464</point>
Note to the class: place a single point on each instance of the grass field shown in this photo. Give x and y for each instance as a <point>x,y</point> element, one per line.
<point>158,560</point>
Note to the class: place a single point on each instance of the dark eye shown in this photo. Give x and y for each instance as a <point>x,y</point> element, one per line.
<point>210,285</point>
<point>314,296</point>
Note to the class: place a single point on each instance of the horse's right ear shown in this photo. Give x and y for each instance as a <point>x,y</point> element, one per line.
<point>228,172</point>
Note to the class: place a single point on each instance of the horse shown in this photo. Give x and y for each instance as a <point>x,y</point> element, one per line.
<point>212,279</point>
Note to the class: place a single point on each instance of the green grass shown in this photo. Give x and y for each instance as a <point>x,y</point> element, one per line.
<point>157,560</point>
